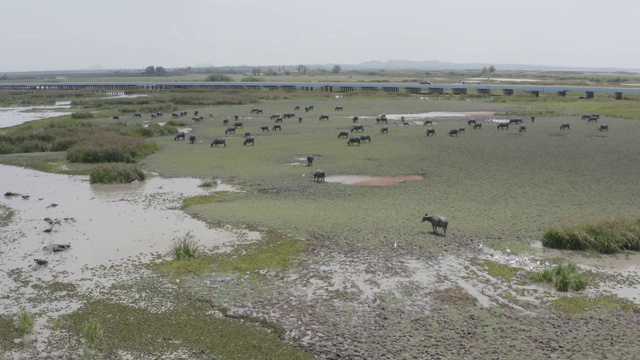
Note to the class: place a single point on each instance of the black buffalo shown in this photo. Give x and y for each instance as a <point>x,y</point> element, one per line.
<point>428,122</point>
<point>471,122</point>
<point>237,125</point>
<point>354,141</point>
<point>343,135</point>
<point>565,126</point>
<point>218,141</point>
<point>115,117</point>
<point>477,126</point>
<point>248,141</point>
<point>384,130</point>
<point>453,132</point>
<point>180,136</point>
<point>503,125</point>
<point>431,132</point>
<point>318,175</point>
<point>339,108</point>
<point>230,130</point>
<point>324,117</point>
<point>310,159</point>
<point>137,115</point>
<point>365,138</point>
<point>355,119</point>
<point>264,128</point>
<point>276,127</point>
<point>437,221</point>
<point>522,128</point>
<point>192,139</point>
<point>604,127</point>
<point>357,128</point>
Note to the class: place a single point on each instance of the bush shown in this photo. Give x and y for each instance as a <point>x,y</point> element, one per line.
<point>25,322</point>
<point>605,236</point>
<point>252,79</point>
<point>81,115</point>
<point>116,173</point>
<point>219,77</point>
<point>110,147</point>
<point>563,277</point>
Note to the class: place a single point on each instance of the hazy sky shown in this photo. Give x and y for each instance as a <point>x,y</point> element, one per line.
<point>131,34</point>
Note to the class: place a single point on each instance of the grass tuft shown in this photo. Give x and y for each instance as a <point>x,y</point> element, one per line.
<point>93,334</point>
<point>25,322</point>
<point>562,277</point>
<point>185,248</point>
<point>209,183</point>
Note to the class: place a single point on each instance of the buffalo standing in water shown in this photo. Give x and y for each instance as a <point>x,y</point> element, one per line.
<point>437,221</point>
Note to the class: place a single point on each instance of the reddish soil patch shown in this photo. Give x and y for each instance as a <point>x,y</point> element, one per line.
<point>371,180</point>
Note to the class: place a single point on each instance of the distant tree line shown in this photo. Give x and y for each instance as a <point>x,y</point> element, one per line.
<point>155,71</point>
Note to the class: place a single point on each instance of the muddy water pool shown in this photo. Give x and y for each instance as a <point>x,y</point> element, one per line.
<point>16,115</point>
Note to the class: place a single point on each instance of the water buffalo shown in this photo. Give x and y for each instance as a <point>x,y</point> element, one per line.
<point>477,126</point>
<point>533,118</point>
<point>219,141</point>
<point>137,115</point>
<point>237,125</point>
<point>343,135</point>
<point>565,126</point>
<point>592,118</point>
<point>365,138</point>
<point>256,111</point>
<point>185,113</point>
<point>522,128</point>
<point>299,120</point>
<point>235,117</point>
<point>437,221</point>
<point>604,127</point>
<point>310,159</point>
<point>453,132</point>
<point>382,119</point>
<point>461,131</point>
<point>264,128</point>
<point>195,113</point>
<point>248,141</point>
<point>230,130</point>
<point>225,121</point>
<point>357,128</point>
<point>175,115</point>
<point>471,122</point>
<point>586,117</point>
<point>503,125</point>
<point>354,119</point>
<point>192,139</point>
<point>296,108</point>
<point>274,116</point>
<point>428,122</point>
<point>247,134</point>
<point>515,121</point>
<point>115,117</point>
<point>288,115</point>
<point>339,108</point>
<point>153,116</point>
<point>324,117</point>
<point>318,175</point>
<point>384,130</point>
<point>159,114</point>
<point>276,127</point>
<point>354,141</point>
<point>431,132</point>
<point>278,120</point>
<point>180,136</point>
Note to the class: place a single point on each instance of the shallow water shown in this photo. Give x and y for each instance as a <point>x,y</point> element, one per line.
<point>103,224</point>
<point>16,115</point>
<point>370,180</point>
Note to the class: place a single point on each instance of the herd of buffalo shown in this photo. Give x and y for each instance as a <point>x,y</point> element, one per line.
<point>436,221</point>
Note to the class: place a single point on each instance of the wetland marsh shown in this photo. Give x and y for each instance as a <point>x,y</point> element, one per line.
<point>335,270</point>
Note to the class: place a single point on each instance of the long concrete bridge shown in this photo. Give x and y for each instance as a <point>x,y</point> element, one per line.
<point>412,88</point>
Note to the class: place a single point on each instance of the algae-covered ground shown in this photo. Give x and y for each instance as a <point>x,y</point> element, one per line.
<point>350,271</point>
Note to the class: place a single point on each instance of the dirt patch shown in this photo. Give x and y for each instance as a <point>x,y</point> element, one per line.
<point>371,180</point>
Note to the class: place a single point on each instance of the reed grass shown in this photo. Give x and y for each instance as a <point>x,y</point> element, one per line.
<point>563,277</point>
<point>607,236</point>
<point>185,248</point>
<point>25,321</point>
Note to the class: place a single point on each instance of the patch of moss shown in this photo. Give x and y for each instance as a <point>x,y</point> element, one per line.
<point>275,252</point>
<point>8,333</point>
<point>456,296</point>
<point>206,199</point>
<point>189,327</point>
<point>581,304</point>
<point>503,271</point>
<point>6,215</point>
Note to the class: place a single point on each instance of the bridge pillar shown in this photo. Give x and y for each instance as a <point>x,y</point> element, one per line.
<point>484,92</point>
<point>369,88</point>
<point>589,94</point>
<point>410,90</point>
<point>390,89</point>
<point>346,89</point>
<point>435,91</point>
<point>535,93</point>
<point>459,91</point>
<point>562,93</point>
<point>618,95</point>
<point>507,92</point>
